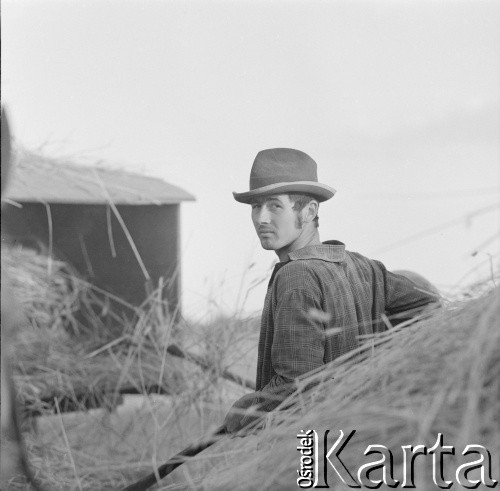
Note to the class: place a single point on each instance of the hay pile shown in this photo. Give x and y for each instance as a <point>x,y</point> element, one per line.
<point>76,348</point>
<point>439,375</point>
<point>76,351</point>
<point>49,291</point>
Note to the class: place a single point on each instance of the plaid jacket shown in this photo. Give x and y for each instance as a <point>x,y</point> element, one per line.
<point>351,290</point>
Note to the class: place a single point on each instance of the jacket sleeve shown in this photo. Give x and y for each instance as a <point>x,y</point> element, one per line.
<point>406,298</point>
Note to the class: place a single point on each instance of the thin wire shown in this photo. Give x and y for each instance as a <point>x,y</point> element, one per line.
<point>487,242</point>
<point>433,194</point>
<point>436,229</point>
<point>469,273</point>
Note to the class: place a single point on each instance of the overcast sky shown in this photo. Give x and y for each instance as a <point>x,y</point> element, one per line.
<point>398,103</point>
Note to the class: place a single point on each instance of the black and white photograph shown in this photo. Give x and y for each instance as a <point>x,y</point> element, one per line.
<point>250,245</point>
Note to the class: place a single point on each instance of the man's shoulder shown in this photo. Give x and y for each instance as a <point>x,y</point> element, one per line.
<point>360,260</point>
<point>310,269</point>
<point>318,267</point>
<point>295,277</point>
<point>305,273</point>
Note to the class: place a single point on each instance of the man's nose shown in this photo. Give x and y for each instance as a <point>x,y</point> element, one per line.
<point>263,216</point>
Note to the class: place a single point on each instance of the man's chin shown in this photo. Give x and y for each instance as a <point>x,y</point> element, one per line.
<point>267,245</point>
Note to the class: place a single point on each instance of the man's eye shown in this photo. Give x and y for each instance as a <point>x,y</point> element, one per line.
<point>255,206</point>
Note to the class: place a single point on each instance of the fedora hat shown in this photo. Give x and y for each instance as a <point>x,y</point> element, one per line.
<point>281,171</point>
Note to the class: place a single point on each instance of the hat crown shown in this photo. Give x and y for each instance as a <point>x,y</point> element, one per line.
<point>282,171</point>
<point>280,165</point>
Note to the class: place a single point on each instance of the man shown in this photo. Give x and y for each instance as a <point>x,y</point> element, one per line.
<point>320,298</point>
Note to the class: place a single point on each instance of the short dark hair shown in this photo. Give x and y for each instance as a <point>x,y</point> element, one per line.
<point>300,201</point>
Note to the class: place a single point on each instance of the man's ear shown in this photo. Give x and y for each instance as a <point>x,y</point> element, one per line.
<point>310,211</point>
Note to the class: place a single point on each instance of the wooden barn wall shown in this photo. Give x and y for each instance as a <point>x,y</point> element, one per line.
<point>80,236</point>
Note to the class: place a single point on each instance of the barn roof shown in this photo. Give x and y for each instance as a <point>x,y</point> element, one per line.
<point>41,179</point>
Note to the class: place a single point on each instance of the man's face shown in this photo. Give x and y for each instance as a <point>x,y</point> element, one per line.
<point>277,224</point>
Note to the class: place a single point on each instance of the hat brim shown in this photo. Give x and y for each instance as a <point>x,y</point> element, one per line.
<point>321,192</point>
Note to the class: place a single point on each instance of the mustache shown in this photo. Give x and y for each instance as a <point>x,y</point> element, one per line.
<point>262,230</point>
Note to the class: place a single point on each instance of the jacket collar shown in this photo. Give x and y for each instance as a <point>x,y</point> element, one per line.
<point>331,250</point>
